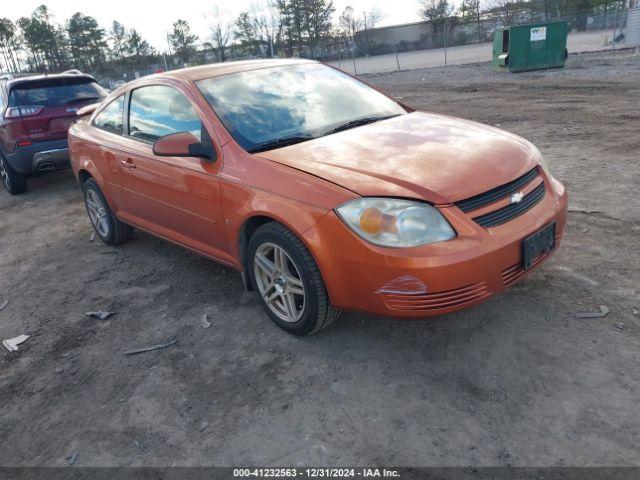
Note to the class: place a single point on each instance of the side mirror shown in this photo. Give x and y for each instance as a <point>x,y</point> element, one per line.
<point>183,144</point>
<point>87,109</point>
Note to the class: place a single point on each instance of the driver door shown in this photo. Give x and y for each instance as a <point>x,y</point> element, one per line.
<point>174,197</point>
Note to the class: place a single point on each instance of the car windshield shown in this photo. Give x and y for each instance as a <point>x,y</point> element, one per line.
<point>273,107</point>
<point>56,92</point>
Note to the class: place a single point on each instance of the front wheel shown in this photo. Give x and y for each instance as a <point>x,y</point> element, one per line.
<point>15,183</point>
<point>289,283</point>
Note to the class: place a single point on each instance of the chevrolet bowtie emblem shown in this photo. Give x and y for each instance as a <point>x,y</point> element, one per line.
<point>516,197</point>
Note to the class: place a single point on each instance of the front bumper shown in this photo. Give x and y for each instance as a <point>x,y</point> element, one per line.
<point>432,279</point>
<point>40,156</point>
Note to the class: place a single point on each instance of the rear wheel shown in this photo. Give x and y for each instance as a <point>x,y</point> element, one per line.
<point>289,283</point>
<point>110,230</point>
<point>15,183</point>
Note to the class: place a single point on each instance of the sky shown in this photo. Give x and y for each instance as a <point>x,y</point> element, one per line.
<point>153,19</point>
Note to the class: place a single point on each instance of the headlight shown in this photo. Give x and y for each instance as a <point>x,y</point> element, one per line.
<point>395,223</point>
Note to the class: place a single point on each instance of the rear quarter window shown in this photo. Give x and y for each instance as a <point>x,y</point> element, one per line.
<point>110,118</point>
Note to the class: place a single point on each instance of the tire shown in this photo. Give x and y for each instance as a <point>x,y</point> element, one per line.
<point>15,183</point>
<point>107,227</point>
<point>313,311</point>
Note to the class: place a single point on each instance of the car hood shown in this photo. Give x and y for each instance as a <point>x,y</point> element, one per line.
<point>436,158</point>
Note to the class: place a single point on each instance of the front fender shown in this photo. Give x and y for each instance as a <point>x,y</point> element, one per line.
<point>241,203</point>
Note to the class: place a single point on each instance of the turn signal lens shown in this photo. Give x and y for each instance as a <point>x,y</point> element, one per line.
<point>373,222</point>
<point>395,223</point>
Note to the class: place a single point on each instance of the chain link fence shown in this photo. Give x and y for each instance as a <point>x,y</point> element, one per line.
<point>458,41</point>
<point>454,40</point>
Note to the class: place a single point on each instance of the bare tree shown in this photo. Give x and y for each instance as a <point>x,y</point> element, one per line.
<point>505,10</point>
<point>266,17</point>
<point>373,18</point>
<point>437,12</point>
<point>257,29</point>
<point>348,24</point>
<point>221,30</point>
<point>370,20</point>
<point>470,10</point>
<point>347,27</point>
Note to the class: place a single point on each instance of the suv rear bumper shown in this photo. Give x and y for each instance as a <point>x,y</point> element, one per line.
<point>40,156</point>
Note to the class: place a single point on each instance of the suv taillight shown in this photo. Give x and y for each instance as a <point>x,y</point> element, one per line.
<point>25,111</point>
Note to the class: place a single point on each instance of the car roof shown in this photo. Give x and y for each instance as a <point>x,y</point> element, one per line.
<point>36,78</point>
<point>226,68</point>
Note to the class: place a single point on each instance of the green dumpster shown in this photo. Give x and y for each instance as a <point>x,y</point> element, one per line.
<point>530,47</point>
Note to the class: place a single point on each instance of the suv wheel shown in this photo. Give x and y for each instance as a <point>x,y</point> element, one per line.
<point>14,182</point>
<point>110,230</point>
<point>289,283</point>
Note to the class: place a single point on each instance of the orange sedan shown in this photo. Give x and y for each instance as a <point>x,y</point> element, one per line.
<point>322,191</point>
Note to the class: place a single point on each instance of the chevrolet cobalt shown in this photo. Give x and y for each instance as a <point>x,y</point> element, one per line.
<point>325,193</point>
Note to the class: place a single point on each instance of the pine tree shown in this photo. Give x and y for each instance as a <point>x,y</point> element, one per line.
<point>182,40</point>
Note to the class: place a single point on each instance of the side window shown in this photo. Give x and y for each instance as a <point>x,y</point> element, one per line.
<point>110,118</point>
<point>157,111</point>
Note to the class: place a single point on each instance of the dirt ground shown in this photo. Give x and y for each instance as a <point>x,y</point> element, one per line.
<point>518,380</point>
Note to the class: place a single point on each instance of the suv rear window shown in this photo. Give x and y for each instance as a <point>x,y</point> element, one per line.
<point>56,92</point>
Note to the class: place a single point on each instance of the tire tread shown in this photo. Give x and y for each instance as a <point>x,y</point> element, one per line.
<point>18,180</point>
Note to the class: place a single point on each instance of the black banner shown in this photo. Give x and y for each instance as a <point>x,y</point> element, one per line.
<point>224,473</point>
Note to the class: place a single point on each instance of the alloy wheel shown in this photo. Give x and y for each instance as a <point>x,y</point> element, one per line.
<point>97,213</point>
<point>279,282</point>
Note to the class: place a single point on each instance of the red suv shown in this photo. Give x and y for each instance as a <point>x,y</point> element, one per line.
<point>35,114</point>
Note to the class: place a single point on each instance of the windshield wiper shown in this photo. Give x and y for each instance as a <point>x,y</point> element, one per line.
<point>357,123</point>
<point>279,142</point>
<point>85,99</point>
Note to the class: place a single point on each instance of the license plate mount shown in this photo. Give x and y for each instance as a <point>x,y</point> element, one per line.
<point>543,241</point>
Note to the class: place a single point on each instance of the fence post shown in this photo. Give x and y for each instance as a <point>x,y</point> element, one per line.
<point>615,22</point>
<point>339,60</point>
<point>445,41</point>
<point>353,56</point>
<point>397,58</point>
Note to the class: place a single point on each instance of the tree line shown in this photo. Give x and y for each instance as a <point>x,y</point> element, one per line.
<point>38,43</point>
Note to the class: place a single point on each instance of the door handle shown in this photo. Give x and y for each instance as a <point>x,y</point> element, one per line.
<point>128,163</point>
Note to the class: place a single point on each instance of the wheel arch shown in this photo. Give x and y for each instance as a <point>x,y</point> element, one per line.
<point>249,227</point>
<point>246,231</point>
<point>90,170</point>
<point>83,176</point>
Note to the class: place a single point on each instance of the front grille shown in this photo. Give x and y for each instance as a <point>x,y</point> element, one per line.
<point>504,214</point>
<point>497,193</point>
<point>437,300</point>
